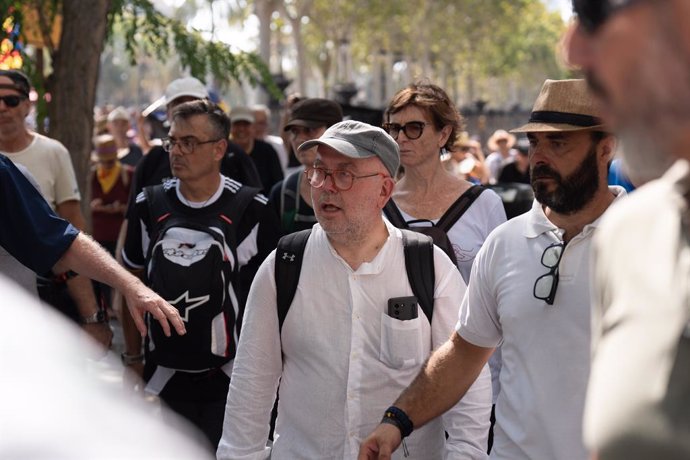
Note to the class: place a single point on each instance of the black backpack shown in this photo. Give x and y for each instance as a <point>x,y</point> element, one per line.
<point>419,263</point>
<point>439,231</point>
<point>201,286</point>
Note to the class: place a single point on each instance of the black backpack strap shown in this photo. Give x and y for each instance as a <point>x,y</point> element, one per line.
<point>458,208</point>
<point>289,200</point>
<point>419,263</point>
<point>288,265</point>
<point>234,210</point>
<point>158,206</point>
<point>393,214</point>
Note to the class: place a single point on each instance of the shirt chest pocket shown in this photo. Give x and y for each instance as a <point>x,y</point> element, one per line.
<point>401,342</point>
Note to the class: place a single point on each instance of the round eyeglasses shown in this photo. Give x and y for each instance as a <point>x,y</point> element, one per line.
<point>342,180</point>
<point>412,129</point>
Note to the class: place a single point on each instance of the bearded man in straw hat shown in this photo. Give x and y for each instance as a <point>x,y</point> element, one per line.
<point>529,293</point>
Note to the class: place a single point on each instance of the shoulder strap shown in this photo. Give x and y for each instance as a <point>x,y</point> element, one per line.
<point>458,208</point>
<point>419,263</point>
<point>289,189</point>
<point>235,208</point>
<point>159,209</point>
<point>393,214</point>
<point>288,265</point>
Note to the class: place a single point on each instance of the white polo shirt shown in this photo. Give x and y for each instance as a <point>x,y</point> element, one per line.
<point>342,360</point>
<point>545,347</point>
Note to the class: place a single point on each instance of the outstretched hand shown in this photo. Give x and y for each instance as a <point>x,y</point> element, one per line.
<point>381,443</point>
<point>141,299</point>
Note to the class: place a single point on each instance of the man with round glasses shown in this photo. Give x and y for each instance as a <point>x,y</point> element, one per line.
<point>529,293</point>
<point>636,56</point>
<point>341,356</point>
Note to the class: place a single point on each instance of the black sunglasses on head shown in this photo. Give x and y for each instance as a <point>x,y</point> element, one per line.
<point>592,14</point>
<point>12,101</point>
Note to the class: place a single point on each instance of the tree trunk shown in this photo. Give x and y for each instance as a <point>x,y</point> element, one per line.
<point>73,83</point>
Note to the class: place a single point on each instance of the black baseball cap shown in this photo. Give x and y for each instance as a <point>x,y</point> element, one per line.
<point>315,112</point>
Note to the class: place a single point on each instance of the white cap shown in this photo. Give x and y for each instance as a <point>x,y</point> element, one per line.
<point>118,113</point>
<point>188,86</point>
<point>242,113</point>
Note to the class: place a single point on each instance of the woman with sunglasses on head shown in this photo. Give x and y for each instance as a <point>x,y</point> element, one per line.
<point>424,122</point>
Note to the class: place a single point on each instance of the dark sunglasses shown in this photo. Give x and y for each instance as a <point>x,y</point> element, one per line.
<point>12,101</point>
<point>592,14</point>
<point>412,129</point>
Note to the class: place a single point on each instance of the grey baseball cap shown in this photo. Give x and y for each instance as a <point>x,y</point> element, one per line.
<point>355,139</point>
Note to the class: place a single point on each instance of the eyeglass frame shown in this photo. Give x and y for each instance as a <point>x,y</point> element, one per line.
<point>330,172</point>
<point>398,127</point>
<point>553,273</point>
<point>592,20</point>
<point>169,144</point>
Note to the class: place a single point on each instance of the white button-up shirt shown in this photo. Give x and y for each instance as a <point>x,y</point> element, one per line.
<point>342,360</point>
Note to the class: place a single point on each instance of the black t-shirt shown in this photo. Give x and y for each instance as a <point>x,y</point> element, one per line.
<point>267,164</point>
<point>510,173</point>
<point>133,156</point>
<point>294,213</point>
<point>154,168</point>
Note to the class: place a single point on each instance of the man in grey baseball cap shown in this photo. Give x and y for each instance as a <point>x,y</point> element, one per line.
<point>339,339</point>
<point>355,139</point>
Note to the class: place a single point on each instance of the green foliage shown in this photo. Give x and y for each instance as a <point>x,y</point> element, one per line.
<point>148,32</point>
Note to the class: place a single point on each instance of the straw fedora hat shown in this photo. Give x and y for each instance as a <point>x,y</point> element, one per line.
<point>498,135</point>
<point>105,148</point>
<point>563,105</point>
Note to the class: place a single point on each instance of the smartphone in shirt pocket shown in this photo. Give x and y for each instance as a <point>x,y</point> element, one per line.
<point>401,335</point>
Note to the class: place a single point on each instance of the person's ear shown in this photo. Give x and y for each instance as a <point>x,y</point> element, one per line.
<point>219,149</point>
<point>607,148</point>
<point>386,191</point>
<point>444,134</point>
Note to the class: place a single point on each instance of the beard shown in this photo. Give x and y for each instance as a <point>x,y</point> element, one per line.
<point>571,193</point>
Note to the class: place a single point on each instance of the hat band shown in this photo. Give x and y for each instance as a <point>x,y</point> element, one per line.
<point>563,118</point>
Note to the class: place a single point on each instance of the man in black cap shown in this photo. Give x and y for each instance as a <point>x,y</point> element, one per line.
<point>291,197</point>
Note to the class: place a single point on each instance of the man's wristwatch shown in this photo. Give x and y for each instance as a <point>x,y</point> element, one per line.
<point>128,359</point>
<point>96,318</point>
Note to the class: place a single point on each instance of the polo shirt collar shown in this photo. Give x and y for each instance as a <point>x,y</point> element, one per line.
<point>537,223</point>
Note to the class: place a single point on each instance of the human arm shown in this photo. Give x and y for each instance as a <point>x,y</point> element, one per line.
<point>467,423</point>
<point>142,134</point>
<point>443,380</point>
<point>256,373</point>
<point>132,356</point>
<point>455,365</point>
<point>88,257</point>
<point>116,207</point>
